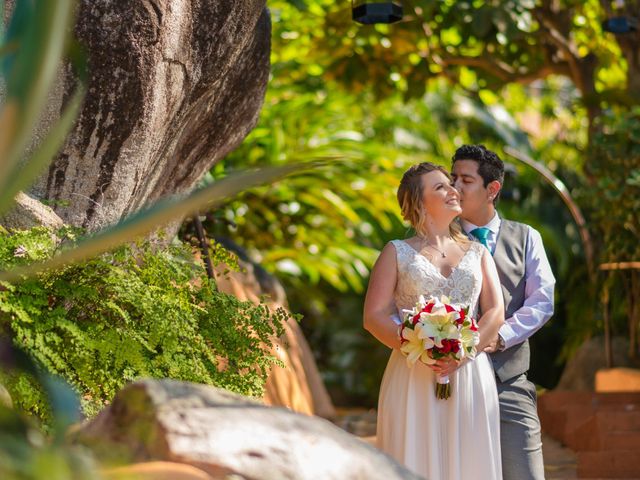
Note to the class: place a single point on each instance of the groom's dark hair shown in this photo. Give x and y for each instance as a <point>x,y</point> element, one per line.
<point>490,167</point>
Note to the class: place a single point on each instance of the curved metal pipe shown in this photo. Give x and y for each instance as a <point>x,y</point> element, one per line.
<point>563,191</point>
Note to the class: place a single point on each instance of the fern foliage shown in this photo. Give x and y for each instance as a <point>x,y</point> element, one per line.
<point>135,312</point>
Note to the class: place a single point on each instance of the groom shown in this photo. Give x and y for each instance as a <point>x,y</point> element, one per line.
<point>527,286</point>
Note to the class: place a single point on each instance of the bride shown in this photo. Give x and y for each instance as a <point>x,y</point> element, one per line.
<point>456,438</point>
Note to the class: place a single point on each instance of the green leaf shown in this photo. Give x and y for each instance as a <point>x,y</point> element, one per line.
<point>18,25</point>
<point>64,404</point>
<point>41,28</point>
<point>8,48</point>
<point>343,207</point>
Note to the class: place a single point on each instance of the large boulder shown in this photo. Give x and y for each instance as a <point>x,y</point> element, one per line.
<point>222,433</point>
<point>173,86</point>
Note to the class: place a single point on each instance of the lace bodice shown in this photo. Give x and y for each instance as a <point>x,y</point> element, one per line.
<point>418,276</point>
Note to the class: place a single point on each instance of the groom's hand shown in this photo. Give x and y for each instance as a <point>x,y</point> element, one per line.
<point>493,346</point>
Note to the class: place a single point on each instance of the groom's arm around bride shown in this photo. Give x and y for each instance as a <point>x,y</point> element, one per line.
<point>527,285</point>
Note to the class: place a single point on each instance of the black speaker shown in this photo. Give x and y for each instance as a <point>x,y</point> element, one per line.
<point>377,12</point>
<point>620,25</point>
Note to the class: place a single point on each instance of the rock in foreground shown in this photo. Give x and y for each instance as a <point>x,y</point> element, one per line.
<point>223,433</point>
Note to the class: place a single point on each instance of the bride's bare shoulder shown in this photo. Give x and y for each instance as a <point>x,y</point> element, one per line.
<point>392,247</point>
<point>387,260</point>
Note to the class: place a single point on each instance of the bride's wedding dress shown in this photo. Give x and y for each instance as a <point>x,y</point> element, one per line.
<point>457,438</point>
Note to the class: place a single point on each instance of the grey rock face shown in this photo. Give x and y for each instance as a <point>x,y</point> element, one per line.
<point>174,85</point>
<point>223,433</point>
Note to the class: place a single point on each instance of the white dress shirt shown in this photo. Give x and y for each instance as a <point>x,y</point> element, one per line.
<point>539,285</point>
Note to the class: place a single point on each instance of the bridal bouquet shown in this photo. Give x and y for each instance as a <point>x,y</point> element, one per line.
<point>435,329</point>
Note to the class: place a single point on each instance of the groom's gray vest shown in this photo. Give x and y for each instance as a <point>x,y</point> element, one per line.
<point>509,256</point>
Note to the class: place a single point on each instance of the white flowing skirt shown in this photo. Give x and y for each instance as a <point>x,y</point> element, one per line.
<point>453,439</point>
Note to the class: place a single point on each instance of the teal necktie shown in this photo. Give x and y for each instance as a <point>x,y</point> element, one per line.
<point>481,234</point>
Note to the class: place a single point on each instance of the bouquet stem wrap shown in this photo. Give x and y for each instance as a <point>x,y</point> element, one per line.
<point>443,387</point>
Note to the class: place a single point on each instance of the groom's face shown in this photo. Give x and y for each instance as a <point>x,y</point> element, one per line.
<point>474,196</point>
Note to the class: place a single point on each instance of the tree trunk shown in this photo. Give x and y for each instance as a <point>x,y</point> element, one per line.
<point>174,85</point>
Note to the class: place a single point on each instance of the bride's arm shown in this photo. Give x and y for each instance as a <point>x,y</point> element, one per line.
<point>379,305</point>
<point>491,303</point>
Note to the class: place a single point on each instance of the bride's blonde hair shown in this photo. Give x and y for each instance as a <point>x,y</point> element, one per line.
<point>410,194</point>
